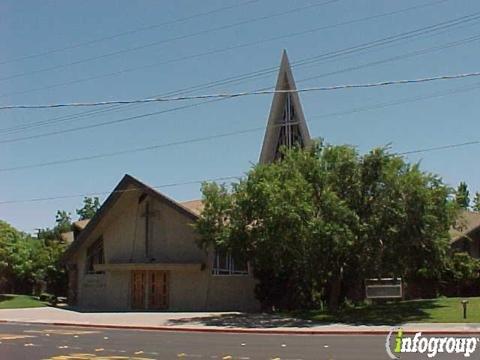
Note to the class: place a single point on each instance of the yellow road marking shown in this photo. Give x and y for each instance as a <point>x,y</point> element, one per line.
<point>182,355</point>
<point>15,336</point>
<point>72,357</point>
<point>228,357</point>
<point>78,356</point>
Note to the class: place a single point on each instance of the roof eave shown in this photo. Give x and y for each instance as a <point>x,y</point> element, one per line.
<point>110,201</point>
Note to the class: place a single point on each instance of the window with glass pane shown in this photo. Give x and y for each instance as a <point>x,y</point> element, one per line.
<point>95,256</point>
<point>225,264</point>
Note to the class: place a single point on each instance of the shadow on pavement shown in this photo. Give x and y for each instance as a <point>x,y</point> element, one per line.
<point>389,314</point>
<point>245,321</point>
<point>385,314</point>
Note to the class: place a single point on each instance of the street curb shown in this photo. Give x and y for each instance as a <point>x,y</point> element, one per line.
<point>242,331</point>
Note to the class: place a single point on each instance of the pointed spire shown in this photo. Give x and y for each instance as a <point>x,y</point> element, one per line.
<point>286,123</point>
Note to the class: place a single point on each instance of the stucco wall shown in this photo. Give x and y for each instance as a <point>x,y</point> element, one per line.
<point>91,287</point>
<point>171,235</point>
<point>232,293</point>
<point>204,291</point>
<point>171,239</point>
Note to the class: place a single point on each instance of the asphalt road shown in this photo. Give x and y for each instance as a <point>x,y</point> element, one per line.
<point>67,343</point>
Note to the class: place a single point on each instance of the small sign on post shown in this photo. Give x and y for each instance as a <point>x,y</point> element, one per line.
<point>464,304</point>
<point>384,288</point>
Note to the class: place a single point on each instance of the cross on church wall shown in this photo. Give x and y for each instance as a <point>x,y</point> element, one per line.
<point>147,214</point>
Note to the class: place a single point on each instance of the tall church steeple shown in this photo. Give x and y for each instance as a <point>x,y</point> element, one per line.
<point>286,124</point>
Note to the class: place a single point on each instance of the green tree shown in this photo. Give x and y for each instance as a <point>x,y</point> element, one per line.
<point>26,260</point>
<point>90,207</point>
<point>63,224</point>
<point>53,246</point>
<point>319,222</point>
<point>462,196</point>
<point>20,256</point>
<point>463,267</point>
<point>63,221</point>
<point>476,202</point>
<point>53,271</point>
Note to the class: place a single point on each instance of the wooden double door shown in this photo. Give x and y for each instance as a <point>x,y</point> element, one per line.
<point>149,290</point>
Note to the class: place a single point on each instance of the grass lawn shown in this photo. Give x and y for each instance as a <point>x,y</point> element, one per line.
<point>441,310</point>
<point>19,301</point>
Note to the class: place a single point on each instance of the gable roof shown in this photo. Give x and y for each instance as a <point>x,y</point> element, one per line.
<point>67,237</point>
<point>112,199</point>
<point>468,222</point>
<point>195,206</point>
<point>286,109</point>
<point>80,224</point>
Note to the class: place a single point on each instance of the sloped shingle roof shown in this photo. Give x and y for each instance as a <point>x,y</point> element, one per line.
<point>468,222</point>
<point>81,224</point>
<point>195,206</point>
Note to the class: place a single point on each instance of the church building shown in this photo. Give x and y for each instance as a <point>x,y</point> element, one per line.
<point>140,252</point>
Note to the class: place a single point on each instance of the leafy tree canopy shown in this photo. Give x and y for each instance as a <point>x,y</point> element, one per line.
<point>24,260</point>
<point>319,222</point>
<point>476,202</point>
<point>90,207</point>
<point>462,196</point>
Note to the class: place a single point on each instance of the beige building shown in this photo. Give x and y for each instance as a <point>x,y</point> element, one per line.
<point>140,252</point>
<point>465,237</point>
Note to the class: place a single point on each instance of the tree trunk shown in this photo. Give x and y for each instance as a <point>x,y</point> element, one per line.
<point>335,289</point>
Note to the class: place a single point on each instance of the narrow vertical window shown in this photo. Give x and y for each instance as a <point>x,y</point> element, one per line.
<point>95,255</point>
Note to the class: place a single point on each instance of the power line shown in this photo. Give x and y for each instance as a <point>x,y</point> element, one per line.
<point>107,123</point>
<point>225,49</point>
<point>442,147</point>
<point>129,32</point>
<point>423,51</point>
<point>401,101</point>
<point>242,77</point>
<point>244,131</point>
<point>237,79</point>
<point>210,84</point>
<point>117,191</point>
<point>437,148</point>
<point>136,150</point>
<point>246,93</point>
<point>393,38</point>
<point>328,56</point>
<point>164,41</point>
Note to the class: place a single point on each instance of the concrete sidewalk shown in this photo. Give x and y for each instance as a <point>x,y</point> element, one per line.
<point>213,322</point>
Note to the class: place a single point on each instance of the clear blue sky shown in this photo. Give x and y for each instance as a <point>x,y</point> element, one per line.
<point>33,27</point>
